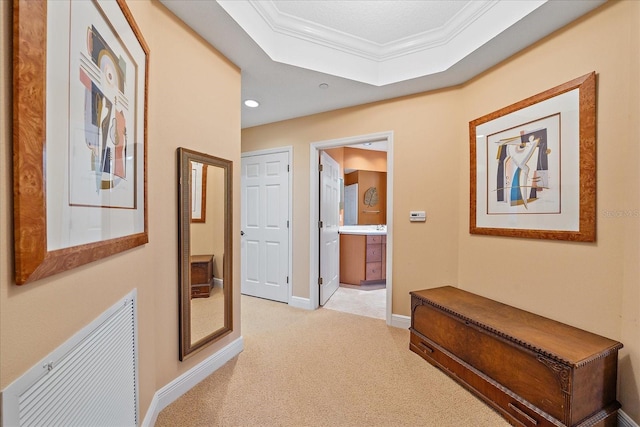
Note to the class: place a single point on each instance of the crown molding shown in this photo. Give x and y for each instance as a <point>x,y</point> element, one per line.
<point>318,34</point>
<point>299,42</point>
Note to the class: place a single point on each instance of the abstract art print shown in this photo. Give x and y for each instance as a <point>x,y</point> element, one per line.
<point>102,163</point>
<point>526,176</point>
<point>80,94</point>
<point>533,166</point>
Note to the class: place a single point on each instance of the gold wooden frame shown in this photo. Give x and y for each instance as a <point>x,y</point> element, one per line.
<point>586,162</point>
<point>185,157</point>
<point>203,196</point>
<point>33,260</point>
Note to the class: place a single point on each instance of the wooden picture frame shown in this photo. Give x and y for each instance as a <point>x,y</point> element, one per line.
<point>533,166</point>
<point>79,134</point>
<point>199,192</point>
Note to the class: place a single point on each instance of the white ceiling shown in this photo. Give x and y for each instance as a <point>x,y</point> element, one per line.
<point>364,51</point>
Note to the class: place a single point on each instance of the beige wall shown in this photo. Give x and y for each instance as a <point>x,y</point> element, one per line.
<point>428,121</point>
<point>591,286</point>
<point>193,102</point>
<point>370,160</point>
<point>337,154</point>
<point>358,158</point>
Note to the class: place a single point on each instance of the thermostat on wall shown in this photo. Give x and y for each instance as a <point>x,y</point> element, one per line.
<point>417,216</point>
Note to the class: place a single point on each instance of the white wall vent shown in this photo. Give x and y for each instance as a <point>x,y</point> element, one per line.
<point>91,380</point>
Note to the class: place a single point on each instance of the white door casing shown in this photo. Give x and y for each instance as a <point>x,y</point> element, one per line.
<point>314,150</point>
<point>265,226</point>
<point>329,224</point>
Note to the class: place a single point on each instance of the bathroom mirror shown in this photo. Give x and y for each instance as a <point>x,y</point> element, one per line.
<point>204,249</point>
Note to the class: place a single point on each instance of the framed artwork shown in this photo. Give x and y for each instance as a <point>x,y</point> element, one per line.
<point>79,134</point>
<point>198,192</point>
<point>533,166</point>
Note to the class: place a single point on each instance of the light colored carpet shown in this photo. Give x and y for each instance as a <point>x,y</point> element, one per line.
<point>207,314</point>
<point>364,303</point>
<point>325,368</point>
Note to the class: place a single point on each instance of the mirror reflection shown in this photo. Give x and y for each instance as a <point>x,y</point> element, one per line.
<point>205,249</point>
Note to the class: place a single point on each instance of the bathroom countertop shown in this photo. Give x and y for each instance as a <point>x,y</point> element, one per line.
<point>368,230</point>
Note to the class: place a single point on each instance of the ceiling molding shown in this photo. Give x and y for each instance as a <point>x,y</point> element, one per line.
<point>287,92</point>
<point>319,34</point>
<point>299,42</point>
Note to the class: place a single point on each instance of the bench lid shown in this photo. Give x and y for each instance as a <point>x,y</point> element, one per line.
<point>568,344</point>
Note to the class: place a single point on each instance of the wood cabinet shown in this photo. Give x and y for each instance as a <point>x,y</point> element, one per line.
<point>534,371</point>
<point>376,259</point>
<point>201,275</point>
<point>363,259</point>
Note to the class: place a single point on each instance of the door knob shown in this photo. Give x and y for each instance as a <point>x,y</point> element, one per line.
<point>241,233</point>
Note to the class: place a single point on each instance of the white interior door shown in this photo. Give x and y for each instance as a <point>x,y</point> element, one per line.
<point>330,220</point>
<point>264,225</point>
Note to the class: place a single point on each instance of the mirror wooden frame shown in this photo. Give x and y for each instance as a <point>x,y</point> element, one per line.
<point>185,157</point>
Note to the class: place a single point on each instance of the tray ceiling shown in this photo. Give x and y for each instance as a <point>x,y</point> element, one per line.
<point>308,56</point>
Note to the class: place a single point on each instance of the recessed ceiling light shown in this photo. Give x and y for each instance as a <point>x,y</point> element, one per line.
<point>251,103</point>
<point>323,85</point>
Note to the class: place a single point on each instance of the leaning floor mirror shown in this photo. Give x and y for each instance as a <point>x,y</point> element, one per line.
<point>204,249</point>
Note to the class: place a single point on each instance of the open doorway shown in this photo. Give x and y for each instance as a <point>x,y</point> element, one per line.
<point>382,227</point>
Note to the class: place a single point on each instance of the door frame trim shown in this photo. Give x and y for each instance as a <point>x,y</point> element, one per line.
<point>314,183</point>
<point>289,150</point>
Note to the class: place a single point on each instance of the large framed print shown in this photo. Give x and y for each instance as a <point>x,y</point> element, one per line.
<point>533,166</point>
<point>79,134</point>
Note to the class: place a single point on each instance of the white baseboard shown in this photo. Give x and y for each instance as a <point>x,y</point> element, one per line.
<point>399,321</point>
<point>299,302</point>
<point>218,283</point>
<point>625,420</point>
<point>185,382</point>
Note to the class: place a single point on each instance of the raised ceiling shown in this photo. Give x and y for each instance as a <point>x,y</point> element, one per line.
<point>307,56</point>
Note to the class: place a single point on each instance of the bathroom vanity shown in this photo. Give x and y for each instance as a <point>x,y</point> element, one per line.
<point>363,254</point>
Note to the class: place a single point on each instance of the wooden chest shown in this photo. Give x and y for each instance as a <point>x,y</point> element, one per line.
<point>201,275</point>
<point>534,371</point>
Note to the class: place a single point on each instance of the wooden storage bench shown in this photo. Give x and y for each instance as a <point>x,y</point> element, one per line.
<point>201,275</point>
<point>534,371</point>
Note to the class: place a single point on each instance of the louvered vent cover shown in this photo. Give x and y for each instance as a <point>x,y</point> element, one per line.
<point>91,380</point>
